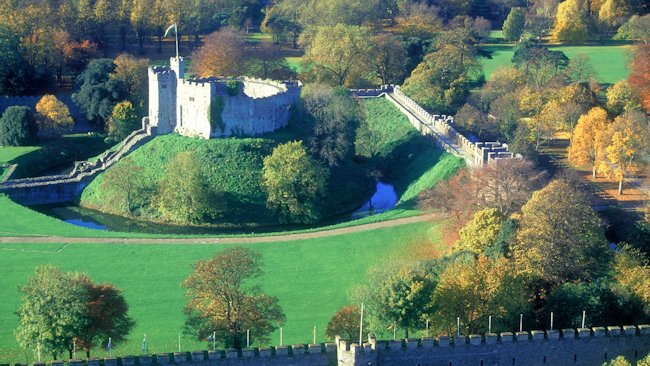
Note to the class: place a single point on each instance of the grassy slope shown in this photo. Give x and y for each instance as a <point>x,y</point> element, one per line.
<point>312,279</point>
<point>410,161</point>
<point>609,61</point>
<point>232,165</point>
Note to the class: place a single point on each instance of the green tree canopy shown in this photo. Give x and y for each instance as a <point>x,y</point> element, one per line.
<point>17,126</point>
<point>513,27</point>
<point>338,54</point>
<point>295,183</point>
<point>183,193</point>
<point>98,92</point>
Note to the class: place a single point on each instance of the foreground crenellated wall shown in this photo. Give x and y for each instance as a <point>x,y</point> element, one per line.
<point>582,347</point>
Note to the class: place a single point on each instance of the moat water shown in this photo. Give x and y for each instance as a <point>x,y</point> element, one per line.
<point>383,199</point>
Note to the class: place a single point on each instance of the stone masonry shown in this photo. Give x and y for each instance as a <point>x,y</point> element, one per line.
<point>581,347</point>
<point>206,108</point>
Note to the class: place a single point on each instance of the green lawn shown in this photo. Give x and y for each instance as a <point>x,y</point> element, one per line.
<point>9,153</point>
<point>295,63</point>
<point>312,279</point>
<point>609,61</point>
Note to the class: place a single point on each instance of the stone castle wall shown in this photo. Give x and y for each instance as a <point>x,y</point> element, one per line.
<point>204,108</point>
<point>67,188</point>
<point>581,347</point>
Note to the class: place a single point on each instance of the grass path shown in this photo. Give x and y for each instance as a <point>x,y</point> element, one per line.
<point>232,240</point>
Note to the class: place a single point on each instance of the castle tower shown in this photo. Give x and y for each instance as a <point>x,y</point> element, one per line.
<point>162,99</point>
<point>178,66</point>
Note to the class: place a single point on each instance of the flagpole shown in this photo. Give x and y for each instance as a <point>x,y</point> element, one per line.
<point>176,32</point>
<point>361,327</point>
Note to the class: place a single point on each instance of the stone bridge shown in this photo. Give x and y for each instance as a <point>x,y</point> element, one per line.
<point>67,188</point>
<point>440,128</point>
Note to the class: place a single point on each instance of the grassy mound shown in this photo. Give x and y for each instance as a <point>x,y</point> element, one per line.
<point>231,166</point>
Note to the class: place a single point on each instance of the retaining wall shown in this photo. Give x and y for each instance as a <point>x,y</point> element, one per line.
<point>67,188</point>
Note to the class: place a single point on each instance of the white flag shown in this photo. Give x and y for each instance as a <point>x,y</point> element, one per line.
<point>171,27</point>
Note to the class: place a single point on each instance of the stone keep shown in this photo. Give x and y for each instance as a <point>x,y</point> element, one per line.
<point>206,108</point>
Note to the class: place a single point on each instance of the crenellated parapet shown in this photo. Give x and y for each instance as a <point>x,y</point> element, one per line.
<point>209,107</point>
<point>440,128</point>
<point>583,346</point>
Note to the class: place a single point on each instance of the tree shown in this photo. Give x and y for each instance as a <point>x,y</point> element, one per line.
<point>133,74</point>
<point>622,97</point>
<point>614,12</point>
<point>337,53</point>
<point>335,116</point>
<point>295,183</point>
<point>470,118</point>
<point>580,69</point>
<point>59,307</point>
<point>17,127</point>
<point>222,54</point>
<point>630,144</point>
<point>570,22</point>
<point>388,58</point>
<point>440,82</point>
<point>538,62</point>
<point>589,139</point>
<point>130,187</point>
<point>53,116</point>
<point>183,194</point>
<point>140,19</point>
<point>53,311</point>
<point>560,237</point>
<point>513,27</point>
<point>14,73</point>
<point>345,323</point>
<point>640,74</point>
<point>481,232</point>
<point>618,361</point>
<point>123,121</point>
<point>399,301</point>
<point>636,28</point>
<point>221,293</point>
<point>98,92</point>
<point>632,273</point>
<point>107,313</point>
<point>473,290</point>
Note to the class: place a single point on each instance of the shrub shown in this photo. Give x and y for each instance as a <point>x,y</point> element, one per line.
<point>17,126</point>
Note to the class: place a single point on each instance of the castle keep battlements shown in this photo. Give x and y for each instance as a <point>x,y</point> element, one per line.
<point>216,107</point>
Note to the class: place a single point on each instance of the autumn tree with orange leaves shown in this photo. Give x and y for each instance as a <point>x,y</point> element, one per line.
<point>640,76</point>
<point>222,54</point>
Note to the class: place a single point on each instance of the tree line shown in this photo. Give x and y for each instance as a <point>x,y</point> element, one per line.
<point>517,244</point>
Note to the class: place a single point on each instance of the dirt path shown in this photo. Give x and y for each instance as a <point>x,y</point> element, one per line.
<point>215,240</point>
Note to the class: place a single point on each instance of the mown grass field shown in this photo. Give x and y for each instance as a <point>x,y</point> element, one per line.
<point>312,279</point>
<point>609,61</point>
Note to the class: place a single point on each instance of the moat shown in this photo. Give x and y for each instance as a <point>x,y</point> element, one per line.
<point>383,199</point>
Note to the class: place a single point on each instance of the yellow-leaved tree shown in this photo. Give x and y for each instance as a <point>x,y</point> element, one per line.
<point>589,139</point>
<point>570,22</point>
<point>481,232</point>
<point>628,147</point>
<point>53,117</point>
<point>475,289</point>
<point>632,273</point>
